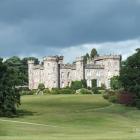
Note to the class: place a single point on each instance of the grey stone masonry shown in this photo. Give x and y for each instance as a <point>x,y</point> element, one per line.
<point>55,74</point>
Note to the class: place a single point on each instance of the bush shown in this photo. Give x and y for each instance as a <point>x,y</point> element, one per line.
<point>84,91</point>
<point>67,91</point>
<point>32,92</point>
<point>46,91</point>
<point>126,98</point>
<point>111,96</point>
<point>41,86</point>
<point>96,91</point>
<point>113,99</point>
<point>27,92</point>
<point>62,91</point>
<point>115,83</point>
<point>106,96</point>
<point>75,85</point>
<point>138,103</point>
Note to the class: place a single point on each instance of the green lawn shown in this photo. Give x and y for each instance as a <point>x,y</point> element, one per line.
<point>71,117</point>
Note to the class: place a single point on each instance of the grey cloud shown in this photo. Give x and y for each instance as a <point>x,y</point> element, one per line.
<point>37,26</point>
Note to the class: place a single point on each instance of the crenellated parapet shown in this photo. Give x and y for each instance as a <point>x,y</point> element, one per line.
<point>107,57</point>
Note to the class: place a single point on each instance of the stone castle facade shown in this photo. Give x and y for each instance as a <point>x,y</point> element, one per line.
<point>53,73</point>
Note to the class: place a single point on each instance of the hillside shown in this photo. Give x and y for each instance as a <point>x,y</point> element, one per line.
<point>71,117</point>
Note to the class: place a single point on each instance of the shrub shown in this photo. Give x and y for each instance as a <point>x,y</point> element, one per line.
<point>111,96</point>
<point>46,91</point>
<point>84,91</point>
<point>32,92</point>
<point>113,99</point>
<point>75,85</point>
<point>41,86</point>
<point>96,91</point>
<point>62,91</point>
<point>126,98</point>
<point>138,103</point>
<point>115,83</point>
<point>28,92</point>
<point>55,91</point>
<point>106,96</point>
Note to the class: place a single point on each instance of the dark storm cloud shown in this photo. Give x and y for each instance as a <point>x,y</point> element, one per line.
<point>34,26</point>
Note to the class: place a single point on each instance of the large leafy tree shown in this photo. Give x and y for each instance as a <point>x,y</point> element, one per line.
<point>130,73</point>
<point>9,96</point>
<point>20,66</point>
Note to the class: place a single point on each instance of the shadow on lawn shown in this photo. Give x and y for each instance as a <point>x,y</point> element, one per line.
<point>22,113</point>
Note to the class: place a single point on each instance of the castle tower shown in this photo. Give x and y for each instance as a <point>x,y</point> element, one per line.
<point>51,70</point>
<point>80,73</point>
<point>111,67</point>
<point>30,74</point>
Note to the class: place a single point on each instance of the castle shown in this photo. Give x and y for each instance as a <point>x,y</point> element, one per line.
<point>53,73</point>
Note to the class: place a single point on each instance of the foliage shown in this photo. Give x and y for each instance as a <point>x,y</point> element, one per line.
<point>20,66</point>
<point>95,90</point>
<point>113,99</point>
<point>84,91</point>
<point>126,98</point>
<point>62,91</point>
<point>86,57</point>
<point>115,83</point>
<point>106,96</point>
<point>138,103</point>
<point>84,83</point>
<point>130,73</point>
<point>93,53</point>
<point>75,85</point>
<point>41,86</point>
<point>9,95</point>
<point>94,83</point>
<point>46,91</point>
<point>111,96</point>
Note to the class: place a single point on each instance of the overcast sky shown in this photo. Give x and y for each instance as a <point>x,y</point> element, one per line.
<point>68,27</point>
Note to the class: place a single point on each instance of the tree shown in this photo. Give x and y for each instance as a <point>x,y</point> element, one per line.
<point>9,95</point>
<point>115,83</point>
<point>130,73</point>
<point>20,66</point>
<point>93,53</point>
<point>86,57</point>
<point>75,85</point>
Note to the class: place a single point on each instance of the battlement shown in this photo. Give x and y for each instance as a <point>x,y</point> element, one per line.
<point>93,66</point>
<point>107,57</point>
<point>51,58</point>
<point>67,66</point>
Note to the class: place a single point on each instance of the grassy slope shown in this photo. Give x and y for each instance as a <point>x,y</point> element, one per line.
<point>75,117</point>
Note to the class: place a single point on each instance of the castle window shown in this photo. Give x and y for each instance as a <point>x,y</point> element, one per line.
<point>98,73</point>
<point>68,75</point>
<point>53,68</point>
<point>62,74</point>
<point>63,85</point>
